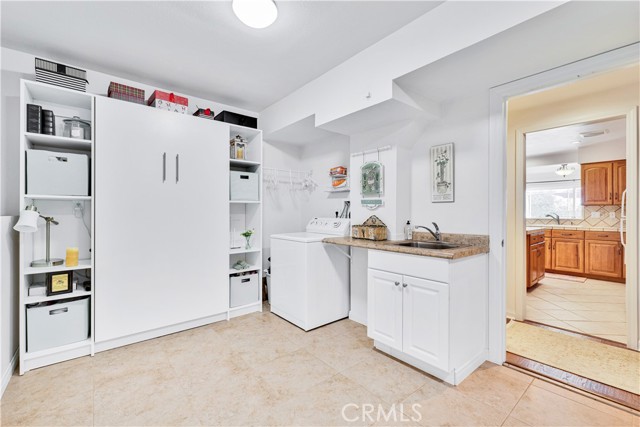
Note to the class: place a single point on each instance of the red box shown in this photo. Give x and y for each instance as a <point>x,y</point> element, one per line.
<point>169,97</point>
<point>120,91</point>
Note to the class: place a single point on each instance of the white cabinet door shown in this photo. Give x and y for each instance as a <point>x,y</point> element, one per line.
<point>426,321</point>
<point>384,314</point>
<point>155,262</point>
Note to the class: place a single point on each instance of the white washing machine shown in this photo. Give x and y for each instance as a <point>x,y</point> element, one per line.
<point>310,279</point>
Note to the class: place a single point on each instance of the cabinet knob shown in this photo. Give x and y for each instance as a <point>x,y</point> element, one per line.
<point>397,283</point>
<point>404,285</point>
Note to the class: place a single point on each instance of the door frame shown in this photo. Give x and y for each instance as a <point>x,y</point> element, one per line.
<point>499,187</point>
<point>520,234</point>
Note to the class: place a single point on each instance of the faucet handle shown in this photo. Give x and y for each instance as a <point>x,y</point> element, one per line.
<point>436,226</point>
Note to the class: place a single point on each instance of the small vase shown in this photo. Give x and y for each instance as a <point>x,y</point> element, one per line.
<point>248,245</point>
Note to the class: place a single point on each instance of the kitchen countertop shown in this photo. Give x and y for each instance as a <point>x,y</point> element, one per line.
<point>472,245</point>
<point>534,228</point>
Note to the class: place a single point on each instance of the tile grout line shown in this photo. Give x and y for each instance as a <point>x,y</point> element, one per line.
<point>516,404</point>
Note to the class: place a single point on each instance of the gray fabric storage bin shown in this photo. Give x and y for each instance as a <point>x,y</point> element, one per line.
<point>57,324</point>
<point>244,186</point>
<point>57,174</point>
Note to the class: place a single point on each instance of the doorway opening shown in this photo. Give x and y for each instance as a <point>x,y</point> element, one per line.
<point>568,297</point>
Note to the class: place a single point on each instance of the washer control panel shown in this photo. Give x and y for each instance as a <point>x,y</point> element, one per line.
<point>333,226</point>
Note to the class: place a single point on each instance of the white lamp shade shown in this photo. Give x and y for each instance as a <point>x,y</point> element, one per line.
<point>28,222</point>
<point>255,13</point>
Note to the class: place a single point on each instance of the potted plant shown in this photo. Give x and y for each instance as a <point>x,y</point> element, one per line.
<point>247,235</point>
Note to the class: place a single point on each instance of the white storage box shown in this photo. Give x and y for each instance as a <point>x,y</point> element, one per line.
<point>57,174</point>
<point>244,289</point>
<point>244,186</point>
<point>57,324</point>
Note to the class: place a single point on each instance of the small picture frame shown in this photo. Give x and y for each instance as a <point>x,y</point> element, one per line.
<point>60,282</point>
<point>442,173</point>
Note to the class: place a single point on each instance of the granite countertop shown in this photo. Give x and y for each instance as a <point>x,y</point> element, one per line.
<point>472,244</point>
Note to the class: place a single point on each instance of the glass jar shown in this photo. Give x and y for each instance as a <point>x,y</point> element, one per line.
<point>77,128</point>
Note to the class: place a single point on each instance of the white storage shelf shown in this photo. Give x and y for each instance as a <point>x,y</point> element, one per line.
<point>250,268</point>
<point>38,140</point>
<point>49,351</point>
<point>243,251</point>
<point>243,163</point>
<point>83,264</point>
<point>51,197</point>
<point>43,298</point>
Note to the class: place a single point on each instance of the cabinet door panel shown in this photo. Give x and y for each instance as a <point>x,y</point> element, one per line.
<point>541,261</point>
<point>568,255</point>
<point>597,183</point>
<point>532,270</point>
<point>603,258</point>
<point>426,321</point>
<point>548,254</point>
<point>619,180</point>
<point>143,267</point>
<point>384,313</point>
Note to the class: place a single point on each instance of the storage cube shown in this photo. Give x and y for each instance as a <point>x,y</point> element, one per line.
<point>168,101</point>
<point>244,186</point>
<point>57,174</point>
<point>57,324</point>
<point>244,289</point>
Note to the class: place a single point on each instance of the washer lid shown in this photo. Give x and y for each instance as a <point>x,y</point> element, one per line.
<point>303,237</point>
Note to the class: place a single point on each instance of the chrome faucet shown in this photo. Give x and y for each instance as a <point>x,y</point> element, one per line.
<point>554,216</point>
<point>437,235</point>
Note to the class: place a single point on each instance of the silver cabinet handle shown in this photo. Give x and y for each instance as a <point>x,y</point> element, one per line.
<point>397,283</point>
<point>58,311</point>
<point>404,285</point>
<point>177,168</point>
<point>164,167</point>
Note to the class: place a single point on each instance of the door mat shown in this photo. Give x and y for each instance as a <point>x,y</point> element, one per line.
<point>614,366</point>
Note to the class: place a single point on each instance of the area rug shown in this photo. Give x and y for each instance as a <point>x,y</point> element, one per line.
<point>565,277</point>
<point>614,366</point>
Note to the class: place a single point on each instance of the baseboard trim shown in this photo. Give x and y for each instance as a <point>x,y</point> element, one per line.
<point>8,373</point>
<point>144,336</point>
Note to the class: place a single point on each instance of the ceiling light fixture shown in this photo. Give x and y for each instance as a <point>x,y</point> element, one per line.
<point>255,13</point>
<point>565,170</point>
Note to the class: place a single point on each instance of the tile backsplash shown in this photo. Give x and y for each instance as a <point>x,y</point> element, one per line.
<point>604,221</point>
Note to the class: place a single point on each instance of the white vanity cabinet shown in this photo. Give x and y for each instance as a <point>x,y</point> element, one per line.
<point>429,312</point>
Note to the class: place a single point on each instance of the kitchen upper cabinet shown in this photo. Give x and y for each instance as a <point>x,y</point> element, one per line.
<point>597,183</point>
<point>619,180</point>
<point>384,314</point>
<point>425,327</point>
<point>603,258</point>
<point>568,255</point>
<point>603,183</point>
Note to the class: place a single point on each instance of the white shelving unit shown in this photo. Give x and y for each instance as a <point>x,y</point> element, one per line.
<point>71,231</point>
<point>246,214</point>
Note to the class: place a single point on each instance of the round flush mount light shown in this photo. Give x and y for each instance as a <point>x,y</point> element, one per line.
<point>255,13</point>
<point>565,170</point>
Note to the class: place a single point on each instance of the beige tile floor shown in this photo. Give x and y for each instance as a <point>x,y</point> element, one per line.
<point>261,370</point>
<point>595,307</point>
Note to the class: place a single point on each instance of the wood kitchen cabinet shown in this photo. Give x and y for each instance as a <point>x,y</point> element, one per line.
<point>535,257</point>
<point>603,254</point>
<point>603,182</point>
<point>619,180</point>
<point>568,255</point>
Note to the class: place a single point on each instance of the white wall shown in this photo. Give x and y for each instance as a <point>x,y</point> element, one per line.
<point>611,150</point>
<point>464,122</point>
<point>17,65</point>
<point>8,300</point>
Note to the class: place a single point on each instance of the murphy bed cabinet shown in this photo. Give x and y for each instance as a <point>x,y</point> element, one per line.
<point>603,183</point>
<point>155,238</point>
<point>412,307</point>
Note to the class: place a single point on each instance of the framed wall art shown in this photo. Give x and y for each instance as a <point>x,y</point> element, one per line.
<point>442,174</point>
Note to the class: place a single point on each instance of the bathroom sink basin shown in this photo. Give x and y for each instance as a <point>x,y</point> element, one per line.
<point>430,245</point>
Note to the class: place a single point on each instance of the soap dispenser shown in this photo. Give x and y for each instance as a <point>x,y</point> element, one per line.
<point>408,231</point>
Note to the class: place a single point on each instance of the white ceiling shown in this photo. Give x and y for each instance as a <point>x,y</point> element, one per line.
<point>200,48</point>
<point>568,33</point>
<point>561,139</point>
